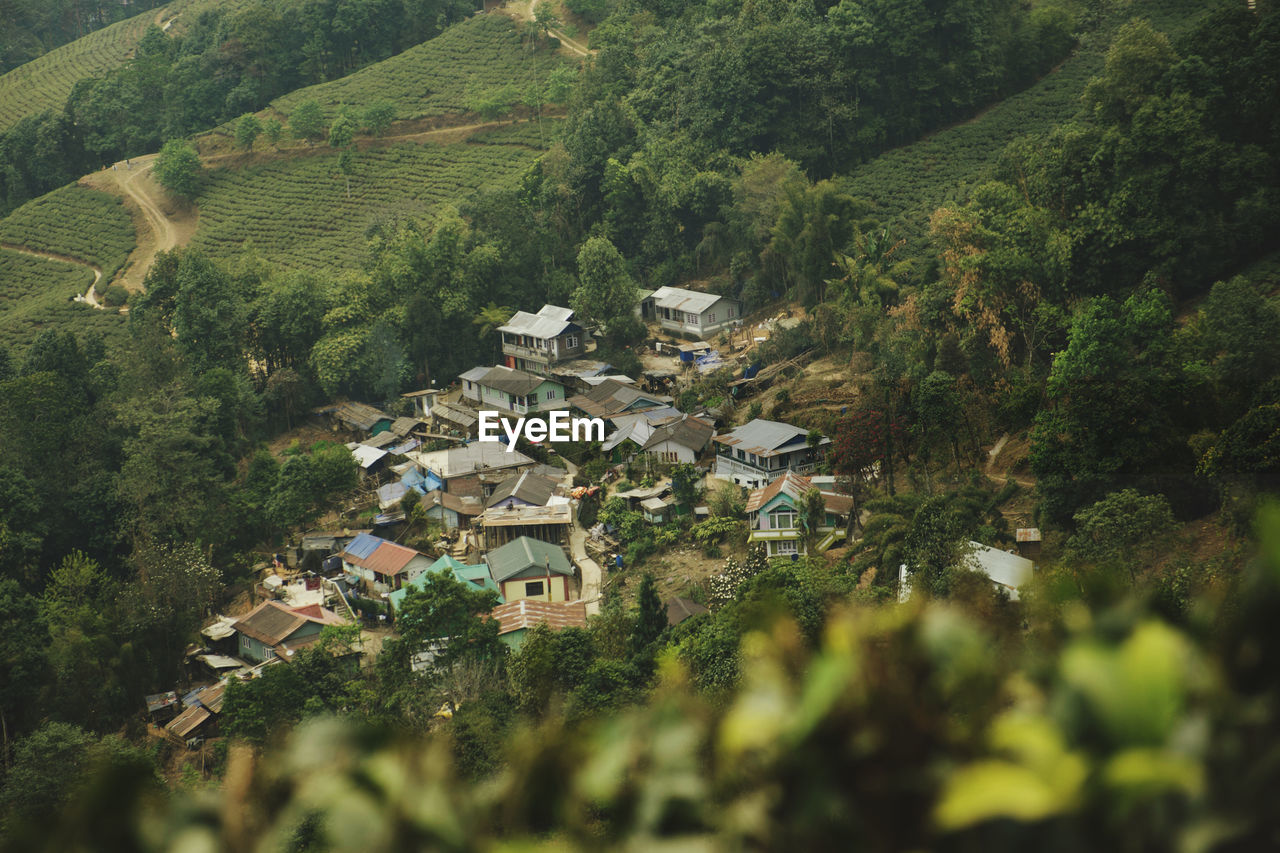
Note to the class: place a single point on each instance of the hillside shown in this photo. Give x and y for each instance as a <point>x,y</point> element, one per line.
<point>76,221</point>
<point>38,293</point>
<point>471,59</point>
<point>45,82</point>
<point>907,184</point>
<point>296,211</point>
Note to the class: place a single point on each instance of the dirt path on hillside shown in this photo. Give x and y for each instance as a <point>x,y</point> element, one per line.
<point>523,10</point>
<point>167,227</point>
<point>592,574</point>
<point>999,477</point>
<point>90,297</point>
<point>435,134</point>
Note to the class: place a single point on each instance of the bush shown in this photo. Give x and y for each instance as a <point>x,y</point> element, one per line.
<point>115,296</point>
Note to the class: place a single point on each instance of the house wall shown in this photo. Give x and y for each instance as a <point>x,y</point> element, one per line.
<point>447,517</point>
<point>416,566</point>
<point>538,353</point>
<point>557,590</point>
<point>550,396</point>
<point>514,639</point>
<point>722,314</point>
<point>510,502</point>
<point>754,474</point>
<point>253,650</point>
<point>669,451</point>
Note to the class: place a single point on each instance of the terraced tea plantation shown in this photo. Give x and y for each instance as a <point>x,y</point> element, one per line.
<point>907,184</point>
<point>296,214</point>
<point>522,133</point>
<point>36,294</point>
<point>444,75</point>
<point>76,221</point>
<point>45,82</point>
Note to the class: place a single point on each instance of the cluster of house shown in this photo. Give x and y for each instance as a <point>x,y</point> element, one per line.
<point>509,518</point>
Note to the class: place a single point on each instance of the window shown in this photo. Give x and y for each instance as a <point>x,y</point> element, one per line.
<point>788,546</point>
<point>784,519</point>
<point>571,341</point>
<point>550,395</point>
<point>532,399</point>
<point>729,308</point>
<point>534,588</point>
<point>711,318</point>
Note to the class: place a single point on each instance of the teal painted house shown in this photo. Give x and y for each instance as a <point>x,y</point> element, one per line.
<point>775,516</point>
<point>476,576</point>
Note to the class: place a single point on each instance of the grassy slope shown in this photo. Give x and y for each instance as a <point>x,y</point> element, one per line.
<point>907,184</point>
<point>438,77</point>
<point>45,82</point>
<point>295,212</point>
<point>75,221</point>
<point>36,294</point>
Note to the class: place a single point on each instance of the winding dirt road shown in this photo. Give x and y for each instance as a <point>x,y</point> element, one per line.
<point>165,230</point>
<point>89,297</point>
<point>169,227</point>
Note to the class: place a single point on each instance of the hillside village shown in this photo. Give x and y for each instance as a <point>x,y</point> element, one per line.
<point>516,526</point>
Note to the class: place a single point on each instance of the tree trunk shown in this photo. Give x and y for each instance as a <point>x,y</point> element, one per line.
<point>888,443</point>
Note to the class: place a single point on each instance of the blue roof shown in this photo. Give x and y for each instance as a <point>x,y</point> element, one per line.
<point>413,479</point>
<point>363,545</point>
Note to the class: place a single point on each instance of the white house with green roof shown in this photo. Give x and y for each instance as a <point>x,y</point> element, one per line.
<point>477,577</point>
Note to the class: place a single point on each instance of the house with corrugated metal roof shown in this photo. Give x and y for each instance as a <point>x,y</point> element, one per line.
<point>473,470</point>
<point>380,565</point>
<point>535,342</point>
<point>269,628</point>
<point>530,568</point>
<point>356,417</point>
<point>690,312</point>
<point>517,618</point>
<point>475,577</point>
<point>1006,570</point>
<point>761,451</point>
<point>525,489</point>
<point>611,397</point>
<point>506,389</point>
<point>774,512</point>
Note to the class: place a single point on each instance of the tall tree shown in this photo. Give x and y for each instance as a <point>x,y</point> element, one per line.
<point>606,293</point>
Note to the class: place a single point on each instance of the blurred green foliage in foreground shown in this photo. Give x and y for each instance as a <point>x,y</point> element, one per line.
<point>909,728</point>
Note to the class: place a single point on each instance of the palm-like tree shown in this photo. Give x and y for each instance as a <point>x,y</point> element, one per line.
<point>490,318</point>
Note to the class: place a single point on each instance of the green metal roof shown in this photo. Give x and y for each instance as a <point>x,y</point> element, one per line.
<point>520,555</point>
<point>474,576</point>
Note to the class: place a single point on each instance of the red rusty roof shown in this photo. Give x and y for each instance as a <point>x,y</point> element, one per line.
<point>526,613</point>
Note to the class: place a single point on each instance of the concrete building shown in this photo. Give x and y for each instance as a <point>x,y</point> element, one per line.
<point>512,391</point>
<point>761,451</point>
<point>536,342</point>
<point>690,312</point>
